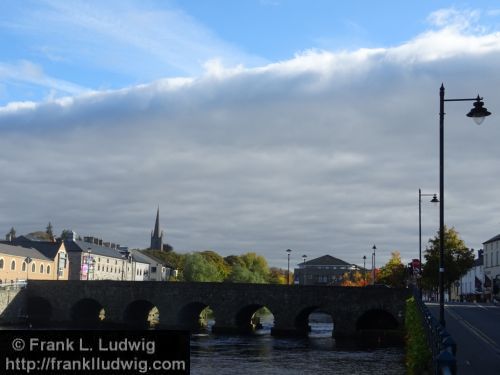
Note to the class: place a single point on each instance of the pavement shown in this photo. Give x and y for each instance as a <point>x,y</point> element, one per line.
<point>475,327</point>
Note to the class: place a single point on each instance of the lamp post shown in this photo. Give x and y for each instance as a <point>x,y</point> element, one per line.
<point>304,268</point>
<point>88,263</point>
<point>373,266</point>
<point>364,268</point>
<point>288,270</point>
<point>478,113</point>
<point>28,260</point>
<point>433,200</point>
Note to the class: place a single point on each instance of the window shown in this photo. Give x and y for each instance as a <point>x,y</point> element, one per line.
<point>1,264</point>
<point>33,267</point>
<point>48,269</point>
<point>153,269</point>
<point>13,265</point>
<point>24,267</point>
<point>41,268</point>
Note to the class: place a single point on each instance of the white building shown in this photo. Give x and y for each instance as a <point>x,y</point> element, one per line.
<point>491,265</point>
<point>472,283</point>
<point>158,270</point>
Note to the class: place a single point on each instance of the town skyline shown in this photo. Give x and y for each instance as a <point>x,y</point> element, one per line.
<point>318,145</point>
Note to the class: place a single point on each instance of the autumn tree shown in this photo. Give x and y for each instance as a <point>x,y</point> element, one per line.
<point>222,267</point>
<point>355,278</point>
<point>458,259</point>
<point>277,276</point>
<point>393,273</point>
<point>199,268</point>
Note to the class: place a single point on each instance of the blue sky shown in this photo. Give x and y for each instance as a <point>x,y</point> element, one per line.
<point>254,125</point>
<point>57,48</point>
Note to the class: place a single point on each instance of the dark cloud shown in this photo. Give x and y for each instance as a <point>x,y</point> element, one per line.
<point>321,154</point>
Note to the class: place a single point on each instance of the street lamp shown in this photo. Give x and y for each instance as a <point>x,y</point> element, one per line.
<point>88,263</point>
<point>304,268</point>
<point>433,200</point>
<point>288,272</point>
<point>478,113</point>
<point>373,265</point>
<point>364,268</point>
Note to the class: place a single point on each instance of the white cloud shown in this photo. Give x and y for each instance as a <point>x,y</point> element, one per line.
<point>323,153</point>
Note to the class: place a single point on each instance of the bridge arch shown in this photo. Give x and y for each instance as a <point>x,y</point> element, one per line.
<point>305,323</point>
<point>248,319</point>
<point>194,316</point>
<point>376,319</point>
<point>87,312</point>
<point>39,310</point>
<point>141,314</point>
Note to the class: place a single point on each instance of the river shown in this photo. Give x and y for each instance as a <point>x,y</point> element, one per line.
<point>265,354</point>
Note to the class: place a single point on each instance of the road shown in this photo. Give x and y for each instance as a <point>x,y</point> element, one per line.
<point>476,330</point>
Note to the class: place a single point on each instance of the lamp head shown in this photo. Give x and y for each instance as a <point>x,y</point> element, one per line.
<point>435,199</point>
<point>478,113</point>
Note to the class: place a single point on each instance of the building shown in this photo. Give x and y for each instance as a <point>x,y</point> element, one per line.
<point>325,270</point>
<point>54,250</point>
<point>93,261</point>
<point>492,267</point>
<point>18,264</point>
<point>470,287</point>
<point>158,270</point>
<point>156,234</point>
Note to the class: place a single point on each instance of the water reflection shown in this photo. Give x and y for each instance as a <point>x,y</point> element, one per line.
<point>264,354</point>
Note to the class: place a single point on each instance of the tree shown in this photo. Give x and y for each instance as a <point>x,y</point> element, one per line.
<point>393,273</point>
<point>222,267</point>
<point>251,268</point>
<point>49,232</point>
<point>198,268</point>
<point>277,276</point>
<point>354,279</point>
<point>458,259</point>
<point>171,258</point>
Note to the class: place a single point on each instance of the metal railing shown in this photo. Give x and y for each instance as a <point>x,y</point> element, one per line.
<point>442,345</point>
<point>19,284</point>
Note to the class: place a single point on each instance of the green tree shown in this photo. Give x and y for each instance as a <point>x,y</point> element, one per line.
<point>222,267</point>
<point>393,273</point>
<point>198,268</point>
<point>458,259</point>
<point>251,268</point>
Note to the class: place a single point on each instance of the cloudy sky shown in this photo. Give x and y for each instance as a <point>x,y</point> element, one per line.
<point>255,125</point>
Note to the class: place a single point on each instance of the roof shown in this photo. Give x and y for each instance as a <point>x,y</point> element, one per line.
<point>496,238</point>
<point>22,251</point>
<point>326,260</point>
<point>47,248</point>
<point>84,247</point>
<point>139,254</point>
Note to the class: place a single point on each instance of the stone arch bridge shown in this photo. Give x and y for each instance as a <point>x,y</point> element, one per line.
<point>179,304</point>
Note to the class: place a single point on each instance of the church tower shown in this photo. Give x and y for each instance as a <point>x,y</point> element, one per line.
<point>156,235</point>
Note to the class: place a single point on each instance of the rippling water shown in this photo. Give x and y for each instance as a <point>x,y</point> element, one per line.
<point>264,354</point>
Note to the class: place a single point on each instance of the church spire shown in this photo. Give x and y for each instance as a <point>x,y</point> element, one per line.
<point>156,232</point>
<point>157,235</point>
